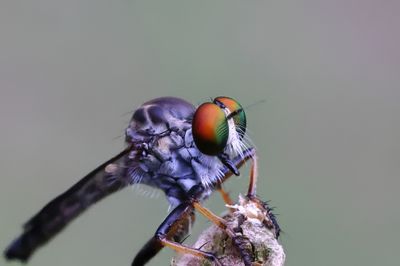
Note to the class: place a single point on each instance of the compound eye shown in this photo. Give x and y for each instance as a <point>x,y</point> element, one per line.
<point>239,118</point>
<point>210,129</point>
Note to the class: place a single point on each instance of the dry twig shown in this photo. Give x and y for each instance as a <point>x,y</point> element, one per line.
<point>255,238</point>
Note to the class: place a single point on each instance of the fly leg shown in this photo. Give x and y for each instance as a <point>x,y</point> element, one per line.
<point>166,232</point>
<point>248,154</point>
<point>238,162</point>
<point>221,223</point>
<point>170,231</point>
<point>225,195</point>
<point>251,192</point>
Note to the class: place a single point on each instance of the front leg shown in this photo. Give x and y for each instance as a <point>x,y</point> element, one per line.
<point>166,235</point>
<point>221,223</point>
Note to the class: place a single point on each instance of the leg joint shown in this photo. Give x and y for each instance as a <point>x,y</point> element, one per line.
<point>160,236</point>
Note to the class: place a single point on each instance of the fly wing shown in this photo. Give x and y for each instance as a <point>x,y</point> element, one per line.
<point>109,177</point>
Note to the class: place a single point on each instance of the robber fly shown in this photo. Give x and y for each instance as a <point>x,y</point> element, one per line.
<point>186,152</point>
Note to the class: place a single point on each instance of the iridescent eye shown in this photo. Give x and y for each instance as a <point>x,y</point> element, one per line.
<point>239,117</point>
<point>210,129</point>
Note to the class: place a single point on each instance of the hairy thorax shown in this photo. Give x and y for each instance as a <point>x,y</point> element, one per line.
<point>165,155</point>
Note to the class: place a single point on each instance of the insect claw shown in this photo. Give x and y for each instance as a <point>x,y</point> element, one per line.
<point>215,259</point>
<point>222,257</point>
<point>205,243</point>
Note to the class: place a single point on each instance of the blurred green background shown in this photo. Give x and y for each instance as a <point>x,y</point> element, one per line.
<point>327,134</point>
